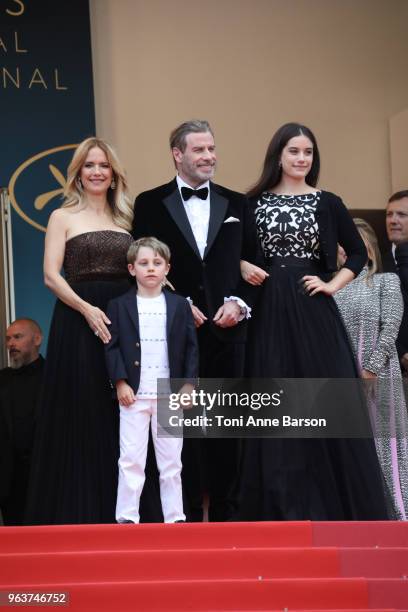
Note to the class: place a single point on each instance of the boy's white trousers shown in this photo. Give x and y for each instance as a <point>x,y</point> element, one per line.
<point>134,436</point>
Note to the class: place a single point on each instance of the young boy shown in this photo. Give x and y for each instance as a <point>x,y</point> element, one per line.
<point>152,336</point>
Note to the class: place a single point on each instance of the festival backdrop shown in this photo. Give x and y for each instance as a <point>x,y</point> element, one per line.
<point>46,108</point>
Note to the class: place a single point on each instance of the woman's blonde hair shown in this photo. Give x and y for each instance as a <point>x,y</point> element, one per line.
<point>118,198</point>
<point>370,239</point>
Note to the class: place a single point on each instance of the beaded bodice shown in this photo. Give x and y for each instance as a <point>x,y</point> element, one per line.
<point>98,255</point>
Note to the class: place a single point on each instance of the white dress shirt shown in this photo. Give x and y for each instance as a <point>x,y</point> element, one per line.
<point>198,214</point>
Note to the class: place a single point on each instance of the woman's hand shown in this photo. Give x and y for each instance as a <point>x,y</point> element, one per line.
<point>367,374</point>
<point>97,321</point>
<point>314,285</point>
<point>252,274</point>
<point>370,386</point>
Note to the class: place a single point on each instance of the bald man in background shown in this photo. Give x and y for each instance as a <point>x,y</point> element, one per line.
<point>20,386</point>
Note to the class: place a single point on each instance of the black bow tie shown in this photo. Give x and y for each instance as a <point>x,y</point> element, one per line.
<point>202,193</point>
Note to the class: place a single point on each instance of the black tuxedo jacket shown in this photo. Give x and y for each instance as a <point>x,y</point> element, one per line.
<point>160,212</point>
<point>123,353</point>
<point>389,262</point>
<point>400,268</point>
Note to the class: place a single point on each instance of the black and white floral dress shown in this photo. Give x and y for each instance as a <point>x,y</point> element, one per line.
<point>294,335</point>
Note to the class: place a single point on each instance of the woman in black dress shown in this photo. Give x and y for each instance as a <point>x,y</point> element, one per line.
<point>74,475</point>
<point>296,332</point>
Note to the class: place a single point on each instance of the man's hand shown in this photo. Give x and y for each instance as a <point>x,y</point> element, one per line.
<point>186,391</point>
<point>126,397</point>
<point>198,316</point>
<point>228,314</point>
<point>404,363</point>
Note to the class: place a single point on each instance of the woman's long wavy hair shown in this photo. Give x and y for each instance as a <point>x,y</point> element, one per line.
<point>370,239</point>
<point>272,172</point>
<point>118,198</point>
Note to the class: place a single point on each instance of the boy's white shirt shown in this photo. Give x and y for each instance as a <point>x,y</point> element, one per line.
<point>154,361</point>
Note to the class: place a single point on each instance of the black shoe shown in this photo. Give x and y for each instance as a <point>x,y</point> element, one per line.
<point>180,521</point>
<point>125,522</point>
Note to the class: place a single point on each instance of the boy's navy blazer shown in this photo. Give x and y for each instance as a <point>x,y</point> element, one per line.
<point>123,352</point>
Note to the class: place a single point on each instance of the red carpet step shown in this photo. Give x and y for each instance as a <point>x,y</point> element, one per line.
<point>180,596</point>
<point>297,566</point>
<point>155,536</point>
<point>358,533</point>
<point>210,564</point>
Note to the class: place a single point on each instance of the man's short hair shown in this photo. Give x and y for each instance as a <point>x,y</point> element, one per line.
<point>179,134</point>
<point>150,242</point>
<point>398,195</point>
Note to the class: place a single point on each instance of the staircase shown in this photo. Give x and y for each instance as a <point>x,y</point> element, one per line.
<point>288,566</point>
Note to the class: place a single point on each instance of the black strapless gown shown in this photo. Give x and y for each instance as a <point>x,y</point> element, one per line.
<point>74,473</point>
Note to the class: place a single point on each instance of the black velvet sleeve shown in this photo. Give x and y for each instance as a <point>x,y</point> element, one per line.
<point>350,239</point>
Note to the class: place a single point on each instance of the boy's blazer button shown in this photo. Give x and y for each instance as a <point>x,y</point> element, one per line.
<point>137,363</point>
<point>137,344</point>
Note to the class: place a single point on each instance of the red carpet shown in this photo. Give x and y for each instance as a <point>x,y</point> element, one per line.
<point>224,567</point>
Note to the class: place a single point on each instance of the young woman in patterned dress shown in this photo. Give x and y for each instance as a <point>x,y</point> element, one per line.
<point>296,332</point>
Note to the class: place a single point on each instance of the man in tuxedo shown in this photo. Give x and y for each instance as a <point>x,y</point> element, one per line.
<point>209,229</point>
<point>397,261</point>
<point>19,390</point>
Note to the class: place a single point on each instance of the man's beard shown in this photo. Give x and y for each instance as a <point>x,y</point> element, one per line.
<point>16,361</point>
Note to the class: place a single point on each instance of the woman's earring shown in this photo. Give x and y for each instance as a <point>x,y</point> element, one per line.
<point>78,183</point>
<point>113,184</point>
